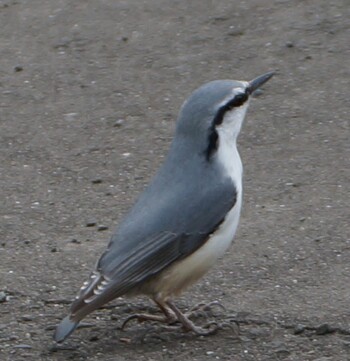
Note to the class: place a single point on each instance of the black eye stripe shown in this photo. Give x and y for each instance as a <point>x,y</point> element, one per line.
<point>219,117</point>
<point>213,142</point>
<point>213,138</point>
<point>236,102</point>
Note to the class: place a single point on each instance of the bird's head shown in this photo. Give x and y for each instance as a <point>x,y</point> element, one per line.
<point>216,108</point>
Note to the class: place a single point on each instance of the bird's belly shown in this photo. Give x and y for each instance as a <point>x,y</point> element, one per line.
<point>182,274</point>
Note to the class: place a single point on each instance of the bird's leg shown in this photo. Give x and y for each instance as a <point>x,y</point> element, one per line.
<point>168,318</point>
<point>188,325</point>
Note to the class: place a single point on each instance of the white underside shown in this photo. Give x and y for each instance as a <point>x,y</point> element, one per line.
<point>182,274</point>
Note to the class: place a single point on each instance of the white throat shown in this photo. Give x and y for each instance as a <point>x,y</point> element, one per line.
<point>227,153</point>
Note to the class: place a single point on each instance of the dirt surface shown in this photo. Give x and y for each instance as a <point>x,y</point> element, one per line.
<point>90,91</point>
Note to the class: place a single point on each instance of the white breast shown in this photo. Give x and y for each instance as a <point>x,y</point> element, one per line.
<point>179,276</point>
<point>229,157</point>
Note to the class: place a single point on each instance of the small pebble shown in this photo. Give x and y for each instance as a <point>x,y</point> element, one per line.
<point>22,346</point>
<point>56,348</point>
<point>63,43</point>
<point>3,297</point>
<point>96,181</point>
<point>93,338</point>
<point>298,329</point>
<point>237,32</point>
<point>18,68</point>
<point>93,149</point>
<point>289,44</point>
<point>70,116</point>
<point>54,249</point>
<point>257,93</point>
<point>74,240</point>
<point>324,329</point>
<point>346,343</point>
<point>91,224</point>
<point>50,327</point>
<point>118,123</point>
<point>26,318</point>
<point>125,340</point>
<point>102,228</point>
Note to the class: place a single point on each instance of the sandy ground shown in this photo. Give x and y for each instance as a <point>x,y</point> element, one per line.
<point>90,91</point>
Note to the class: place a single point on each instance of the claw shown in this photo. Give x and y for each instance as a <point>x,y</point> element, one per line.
<point>201,331</point>
<point>211,330</point>
<point>213,327</point>
<point>234,327</point>
<point>201,309</point>
<point>210,305</point>
<point>197,307</point>
<point>132,317</point>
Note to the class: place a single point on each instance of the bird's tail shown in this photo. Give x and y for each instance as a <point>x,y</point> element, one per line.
<point>64,329</point>
<point>91,296</point>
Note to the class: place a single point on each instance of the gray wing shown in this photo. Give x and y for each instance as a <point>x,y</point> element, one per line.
<point>168,223</point>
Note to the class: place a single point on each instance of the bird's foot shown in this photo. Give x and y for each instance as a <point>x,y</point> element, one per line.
<point>187,325</point>
<point>142,317</point>
<point>209,329</point>
<point>203,309</point>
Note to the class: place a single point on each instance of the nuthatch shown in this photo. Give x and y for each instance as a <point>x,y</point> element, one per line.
<point>185,219</point>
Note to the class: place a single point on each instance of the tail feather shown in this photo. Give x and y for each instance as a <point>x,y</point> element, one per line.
<point>64,329</point>
<point>89,299</point>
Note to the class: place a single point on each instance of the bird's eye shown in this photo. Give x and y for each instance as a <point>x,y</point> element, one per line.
<point>237,101</point>
<point>241,99</point>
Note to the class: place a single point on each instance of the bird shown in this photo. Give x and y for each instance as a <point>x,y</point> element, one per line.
<point>184,220</point>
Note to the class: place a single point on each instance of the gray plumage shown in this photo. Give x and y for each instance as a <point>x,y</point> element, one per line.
<point>172,219</point>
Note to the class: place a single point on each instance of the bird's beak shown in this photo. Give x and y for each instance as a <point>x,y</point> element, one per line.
<point>259,81</point>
